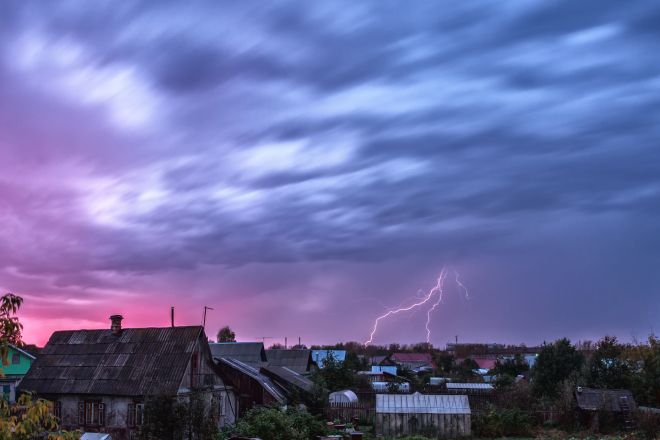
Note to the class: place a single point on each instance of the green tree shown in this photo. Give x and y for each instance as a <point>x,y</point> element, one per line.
<point>335,375</point>
<point>226,334</point>
<point>10,327</point>
<point>608,368</point>
<point>555,363</point>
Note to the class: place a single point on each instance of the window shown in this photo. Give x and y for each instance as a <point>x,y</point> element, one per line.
<point>135,414</point>
<point>91,413</point>
<point>57,409</point>
<point>6,392</point>
<point>15,359</point>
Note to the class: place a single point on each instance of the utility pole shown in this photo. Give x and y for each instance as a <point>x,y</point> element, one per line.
<point>204,319</point>
<point>285,343</point>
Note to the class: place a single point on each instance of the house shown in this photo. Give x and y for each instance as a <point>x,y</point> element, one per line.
<point>250,353</point>
<point>99,380</point>
<point>299,361</point>
<point>409,414</point>
<point>319,356</point>
<point>252,387</point>
<point>416,362</point>
<point>19,362</point>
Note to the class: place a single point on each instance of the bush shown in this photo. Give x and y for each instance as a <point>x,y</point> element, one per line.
<point>272,423</point>
<point>648,424</point>
<point>507,422</point>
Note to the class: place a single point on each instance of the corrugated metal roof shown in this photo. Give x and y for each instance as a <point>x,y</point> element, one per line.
<point>296,360</point>
<point>422,404</point>
<point>594,399</point>
<point>263,380</point>
<point>469,386</point>
<point>138,362</point>
<point>251,353</point>
<point>287,375</point>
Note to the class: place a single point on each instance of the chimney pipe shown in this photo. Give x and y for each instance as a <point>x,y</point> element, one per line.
<point>172,316</point>
<point>115,326</point>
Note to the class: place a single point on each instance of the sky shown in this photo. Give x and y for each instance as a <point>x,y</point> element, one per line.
<point>301,167</point>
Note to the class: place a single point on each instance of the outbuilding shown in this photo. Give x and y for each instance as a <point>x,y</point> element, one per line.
<point>343,396</point>
<point>433,415</point>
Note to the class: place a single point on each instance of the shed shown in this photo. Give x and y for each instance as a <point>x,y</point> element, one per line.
<point>440,416</point>
<point>594,399</point>
<point>343,396</point>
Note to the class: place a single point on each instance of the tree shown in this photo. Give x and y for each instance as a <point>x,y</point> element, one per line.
<point>10,326</point>
<point>334,375</point>
<point>555,363</point>
<point>226,334</point>
<point>608,368</point>
<point>28,418</point>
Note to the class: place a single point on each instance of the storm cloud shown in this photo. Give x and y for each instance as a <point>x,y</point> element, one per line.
<point>297,164</point>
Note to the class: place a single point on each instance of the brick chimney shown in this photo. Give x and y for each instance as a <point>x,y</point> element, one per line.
<point>115,327</point>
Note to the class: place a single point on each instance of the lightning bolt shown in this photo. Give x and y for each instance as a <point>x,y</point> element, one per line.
<point>436,290</point>
<point>441,282</point>
<point>461,285</point>
<point>389,313</point>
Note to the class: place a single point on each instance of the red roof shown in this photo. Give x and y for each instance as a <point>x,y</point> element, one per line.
<point>485,363</point>
<point>413,357</point>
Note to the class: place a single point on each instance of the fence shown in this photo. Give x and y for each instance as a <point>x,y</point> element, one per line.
<point>348,411</point>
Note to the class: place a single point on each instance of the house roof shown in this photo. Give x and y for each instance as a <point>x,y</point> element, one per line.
<point>468,386</point>
<point>412,357</point>
<point>485,363</point>
<point>296,360</point>
<point>250,353</point>
<point>286,376</point>
<point>138,362</point>
<point>594,399</point>
<point>21,351</point>
<point>255,374</point>
<point>422,404</point>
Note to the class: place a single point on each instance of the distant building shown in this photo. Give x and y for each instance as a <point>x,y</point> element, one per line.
<point>319,356</point>
<point>99,380</point>
<point>19,362</point>
<point>416,362</point>
<point>400,415</point>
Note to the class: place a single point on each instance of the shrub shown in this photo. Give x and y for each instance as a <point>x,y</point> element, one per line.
<point>272,423</point>
<point>648,425</point>
<point>507,422</point>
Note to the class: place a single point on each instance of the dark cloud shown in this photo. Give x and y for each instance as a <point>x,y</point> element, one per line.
<point>346,151</point>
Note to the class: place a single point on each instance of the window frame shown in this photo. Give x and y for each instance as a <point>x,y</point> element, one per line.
<point>91,413</point>
<point>15,358</point>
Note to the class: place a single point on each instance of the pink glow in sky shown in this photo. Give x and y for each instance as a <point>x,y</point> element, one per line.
<point>303,168</point>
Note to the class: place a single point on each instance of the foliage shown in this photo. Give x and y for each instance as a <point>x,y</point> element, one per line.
<point>271,423</point>
<point>507,422</point>
<point>555,363</point>
<point>10,326</point>
<point>608,368</point>
<point>465,370</point>
<point>335,375</point>
<point>226,334</point>
<point>445,362</point>
<point>170,418</point>
<point>648,425</point>
<point>511,367</point>
<point>29,419</point>
<point>647,382</point>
